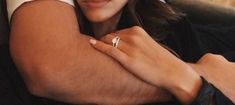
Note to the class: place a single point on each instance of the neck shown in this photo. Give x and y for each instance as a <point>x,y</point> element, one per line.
<point>102,28</point>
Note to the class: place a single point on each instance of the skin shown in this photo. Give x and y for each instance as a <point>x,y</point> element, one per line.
<point>145,58</point>
<point>45,65</point>
<point>103,19</point>
<point>218,71</point>
<point>51,69</point>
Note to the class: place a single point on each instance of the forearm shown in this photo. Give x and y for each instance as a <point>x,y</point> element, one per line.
<point>218,71</point>
<point>99,79</point>
<point>57,62</point>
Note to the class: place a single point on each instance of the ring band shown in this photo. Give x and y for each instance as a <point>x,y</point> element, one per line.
<point>115,41</point>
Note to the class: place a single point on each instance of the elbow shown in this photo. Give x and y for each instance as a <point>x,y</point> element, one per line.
<point>46,81</point>
<point>40,81</point>
<point>36,90</point>
<point>61,85</point>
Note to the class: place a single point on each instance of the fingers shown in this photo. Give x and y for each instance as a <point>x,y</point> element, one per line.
<point>108,39</point>
<point>109,50</point>
<point>122,45</point>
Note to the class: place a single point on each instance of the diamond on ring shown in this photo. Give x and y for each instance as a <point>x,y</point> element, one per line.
<point>115,41</point>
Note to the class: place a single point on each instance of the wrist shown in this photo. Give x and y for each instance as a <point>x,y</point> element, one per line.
<point>205,94</point>
<point>185,84</point>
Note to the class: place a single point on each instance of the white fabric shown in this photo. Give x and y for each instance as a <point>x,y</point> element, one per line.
<point>12,5</point>
<point>163,1</point>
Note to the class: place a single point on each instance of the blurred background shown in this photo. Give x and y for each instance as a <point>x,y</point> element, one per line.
<point>228,3</point>
<point>218,12</point>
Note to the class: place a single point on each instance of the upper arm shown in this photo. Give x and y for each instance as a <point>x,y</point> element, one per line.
<point>44,37</point>
<point>50,51</point>
<point>43,32</point>
<point>12,5</point>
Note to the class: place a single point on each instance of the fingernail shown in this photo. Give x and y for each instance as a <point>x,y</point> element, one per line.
<point>92,41</point>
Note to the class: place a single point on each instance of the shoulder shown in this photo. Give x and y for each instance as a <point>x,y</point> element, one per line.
<point>12,5</point>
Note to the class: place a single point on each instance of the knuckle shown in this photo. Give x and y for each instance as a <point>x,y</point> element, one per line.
<point>137,28</point>
<point>209,57</point>
<point>134,39</point>
<point>103,38</point>
<point>213,56</point>
<point>109,36</point>
<point>205,58</point>
<point>219,56</point>
<point>106,37</point>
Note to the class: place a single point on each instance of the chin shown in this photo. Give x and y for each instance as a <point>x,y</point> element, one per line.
<point>97,18</point>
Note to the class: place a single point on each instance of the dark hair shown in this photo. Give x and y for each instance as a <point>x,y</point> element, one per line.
<point>152,15</point>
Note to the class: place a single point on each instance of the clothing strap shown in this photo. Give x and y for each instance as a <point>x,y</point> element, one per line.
<point>205,95</point>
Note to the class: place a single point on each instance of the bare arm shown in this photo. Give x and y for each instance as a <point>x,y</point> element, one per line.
<point>220,72</point>
<point>56,60</point>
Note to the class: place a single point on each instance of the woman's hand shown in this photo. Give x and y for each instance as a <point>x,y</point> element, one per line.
<point>148,60</point>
